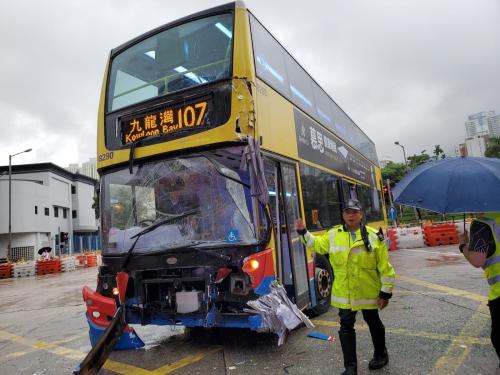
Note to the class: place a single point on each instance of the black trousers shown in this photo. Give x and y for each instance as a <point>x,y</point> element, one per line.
<point>495,324</point>
<point>372,319</point>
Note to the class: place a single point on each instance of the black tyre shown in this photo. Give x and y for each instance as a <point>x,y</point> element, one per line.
<point>323,281</point>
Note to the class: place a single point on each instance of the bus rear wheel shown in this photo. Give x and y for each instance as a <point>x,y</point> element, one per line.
<point>323,281</point>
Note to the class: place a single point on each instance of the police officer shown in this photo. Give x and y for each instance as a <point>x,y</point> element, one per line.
<point>483,250</point>
<point>364,279</point>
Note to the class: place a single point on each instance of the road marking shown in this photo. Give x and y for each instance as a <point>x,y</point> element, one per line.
<point>186,361</point>
<point>34,349</point>
<point>446,289</point>
<point>115,366</point>
<point>451,361</point>
<point>42,345</point>
<point>10,356</point>
<point>460,339</point>
<point>123,368</point>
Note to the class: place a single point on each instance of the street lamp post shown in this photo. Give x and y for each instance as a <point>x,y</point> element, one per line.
<point>10,199</point>
<point>403,147</point>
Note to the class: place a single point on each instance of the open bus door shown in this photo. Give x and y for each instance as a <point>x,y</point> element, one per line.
<point>291,256</point>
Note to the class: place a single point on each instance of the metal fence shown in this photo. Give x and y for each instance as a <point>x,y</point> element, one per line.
<point>21,253</point>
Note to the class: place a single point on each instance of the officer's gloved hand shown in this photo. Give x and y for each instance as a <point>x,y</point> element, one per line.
<point>300,227</point>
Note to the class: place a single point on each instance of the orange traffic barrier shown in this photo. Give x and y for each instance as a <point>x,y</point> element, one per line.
<point>81,260</point>
<point>440,234</point>
<point>5,270</point>
<point>393,239</point>
<point>44,267</point>
<point>91,260</point>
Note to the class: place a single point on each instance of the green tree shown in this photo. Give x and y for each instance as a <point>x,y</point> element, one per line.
<point>438,151</point>
<point>393,171</point>
<point>493,149</point>
<point>415,160</point>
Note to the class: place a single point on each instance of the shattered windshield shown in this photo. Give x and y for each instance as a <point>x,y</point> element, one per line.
<point>204,198</point>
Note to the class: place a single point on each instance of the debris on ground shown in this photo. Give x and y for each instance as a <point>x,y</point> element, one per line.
<point>279,314</point>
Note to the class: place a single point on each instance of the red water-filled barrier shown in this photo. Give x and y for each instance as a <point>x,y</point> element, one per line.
<point>5,270</point>
<point>440,234</point>
<point>44,267</point>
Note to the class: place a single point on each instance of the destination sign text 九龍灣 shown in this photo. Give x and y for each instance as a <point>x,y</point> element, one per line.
<point>164,121</point>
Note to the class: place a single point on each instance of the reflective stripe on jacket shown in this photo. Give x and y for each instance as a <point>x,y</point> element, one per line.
<point>492,265</point>
<point>359,275</point>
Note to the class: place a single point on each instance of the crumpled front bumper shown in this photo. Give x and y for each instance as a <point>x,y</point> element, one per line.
<point>100,311</point>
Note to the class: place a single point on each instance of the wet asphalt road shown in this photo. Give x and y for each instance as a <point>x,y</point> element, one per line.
<point>436,323</point>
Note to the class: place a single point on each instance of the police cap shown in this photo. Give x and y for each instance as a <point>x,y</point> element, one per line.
<point>353,204</point>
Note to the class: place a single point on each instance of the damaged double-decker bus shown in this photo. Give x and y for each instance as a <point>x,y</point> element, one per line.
<point>212,140</point>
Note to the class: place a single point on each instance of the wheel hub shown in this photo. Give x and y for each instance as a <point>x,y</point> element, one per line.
<point>323,282</point>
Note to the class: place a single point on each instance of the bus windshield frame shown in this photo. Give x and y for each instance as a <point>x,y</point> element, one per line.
<point>171,203</point>
<point>191,54</point>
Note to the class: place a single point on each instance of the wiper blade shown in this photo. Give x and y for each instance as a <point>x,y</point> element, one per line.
<point>194,245</point>
<point>204,243</point>
<point>164,221</point>
<point>149,229</point>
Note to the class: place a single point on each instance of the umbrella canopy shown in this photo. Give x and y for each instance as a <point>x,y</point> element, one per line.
<point>48,249</point>
<point>452,185</point>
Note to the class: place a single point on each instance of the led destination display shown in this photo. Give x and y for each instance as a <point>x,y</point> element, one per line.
<point>164,121</point>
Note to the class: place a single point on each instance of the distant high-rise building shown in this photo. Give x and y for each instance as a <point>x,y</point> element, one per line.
<point>384,162</point>
<point>494,125</point>
<point>88,168</point>
<point>73,168</point>
<point>478,124</point>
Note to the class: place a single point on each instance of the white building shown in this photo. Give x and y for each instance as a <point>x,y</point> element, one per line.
<point>494,125</point>
<point>88,168</point>
<point>476,146</point>
<point>383,163</point>
<point>46,200</point>
<point>479,124</point>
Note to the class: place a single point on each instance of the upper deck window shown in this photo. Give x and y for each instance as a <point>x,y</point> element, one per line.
<point>184,56</point>
<point>275,66</point>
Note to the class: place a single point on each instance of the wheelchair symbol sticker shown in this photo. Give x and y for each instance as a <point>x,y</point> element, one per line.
<point>232,236</point>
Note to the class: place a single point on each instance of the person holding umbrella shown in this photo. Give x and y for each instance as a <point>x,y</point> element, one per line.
<point>44,253</point>
<point>483,250</point>
<point>364,279</point>
<point>460,185</point>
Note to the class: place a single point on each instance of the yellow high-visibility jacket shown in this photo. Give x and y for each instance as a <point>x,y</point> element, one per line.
<point>492,265</point>
<point>360,275</point>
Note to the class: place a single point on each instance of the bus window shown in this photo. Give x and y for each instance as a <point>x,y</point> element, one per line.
<point>321,198</point>
<point>188,55</point>
<point>370,201</point>
<point>269,58</point>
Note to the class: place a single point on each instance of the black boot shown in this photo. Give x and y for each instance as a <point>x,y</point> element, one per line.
<point>377,332</point>
<point>348,342</point>
<point>379,360</point>
<point>380,356</point>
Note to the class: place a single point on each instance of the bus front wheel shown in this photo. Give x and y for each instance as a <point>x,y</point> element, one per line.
<point>323,281</point>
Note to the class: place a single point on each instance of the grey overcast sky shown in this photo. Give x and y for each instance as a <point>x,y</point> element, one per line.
<point>406,70</point>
